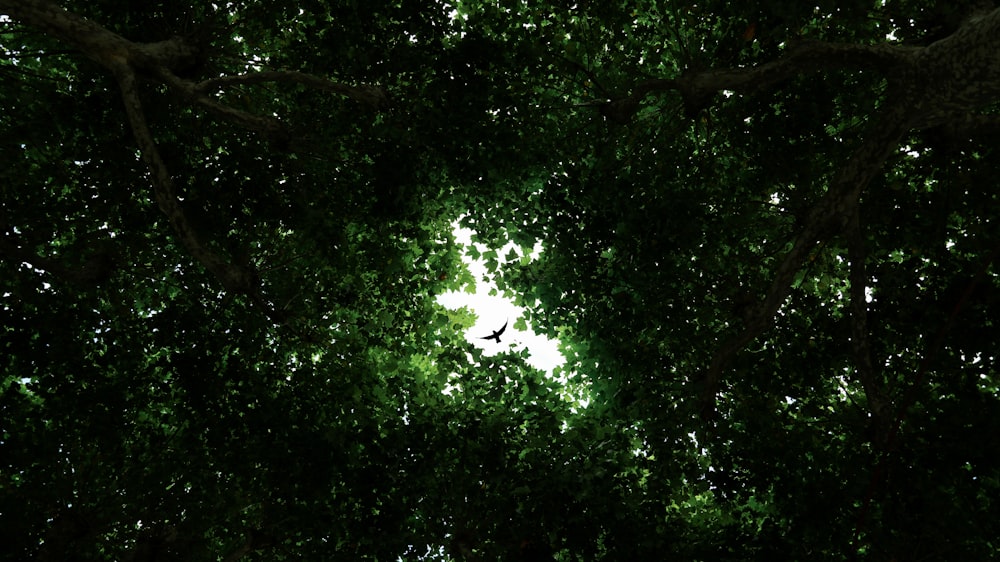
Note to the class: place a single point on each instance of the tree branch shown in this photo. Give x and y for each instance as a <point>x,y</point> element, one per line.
<point>96,42</point>
<point>127,60</point>
<point>233,278</point>
<point>860,349</point>
<point>268,126</point>
<point>372,96</point>
<point>698,87</point>
<point>828,217</point>
<point>160,59</point>
<point>943,80</point>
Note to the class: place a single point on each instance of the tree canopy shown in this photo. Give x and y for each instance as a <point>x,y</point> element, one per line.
<point>769,231</point>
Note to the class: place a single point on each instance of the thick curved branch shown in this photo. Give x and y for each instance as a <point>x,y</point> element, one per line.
<point>53,20</point>
<point>96,42</point>
<point>804,58</point>
<point>232,277</point>
<point>942,81</point>
<point>929,86</point>
<point>830,216</point>
<point>159,61</point>
<point>698,87</point>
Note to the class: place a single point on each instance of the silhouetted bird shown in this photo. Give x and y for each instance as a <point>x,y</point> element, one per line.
<point>496,334</point>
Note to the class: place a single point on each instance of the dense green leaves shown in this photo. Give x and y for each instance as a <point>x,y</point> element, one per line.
<point>328,408</point>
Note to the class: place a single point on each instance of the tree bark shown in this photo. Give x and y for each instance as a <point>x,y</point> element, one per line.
<point>158,61</point>
<point>940,82</point>
<point>107,48</point>
<point>935,85</point>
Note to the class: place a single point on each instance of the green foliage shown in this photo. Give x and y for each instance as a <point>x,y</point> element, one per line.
<point>336,412</point>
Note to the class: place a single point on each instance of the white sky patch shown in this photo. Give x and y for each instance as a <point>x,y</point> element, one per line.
<point>493,310</point>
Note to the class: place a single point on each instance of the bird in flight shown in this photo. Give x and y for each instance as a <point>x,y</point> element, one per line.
<point>496,333</point>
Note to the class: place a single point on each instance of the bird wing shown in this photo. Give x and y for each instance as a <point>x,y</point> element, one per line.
<point>496,334</point>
